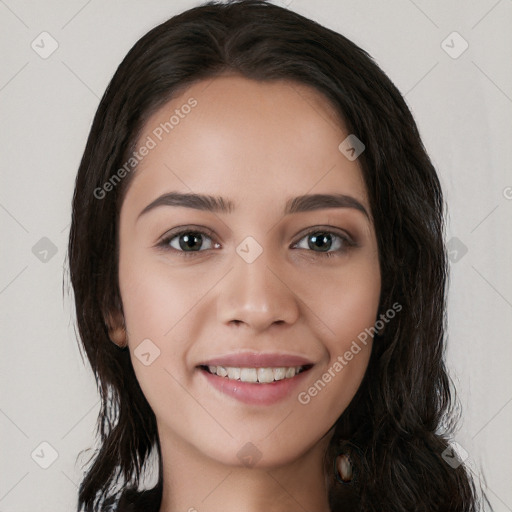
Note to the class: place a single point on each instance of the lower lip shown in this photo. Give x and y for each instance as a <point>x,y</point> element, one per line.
<point>256,393</point>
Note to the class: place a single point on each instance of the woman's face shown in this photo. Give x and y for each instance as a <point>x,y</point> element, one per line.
<point>255,283</point>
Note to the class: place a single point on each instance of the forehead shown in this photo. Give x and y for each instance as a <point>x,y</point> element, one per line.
<point>242,138</point>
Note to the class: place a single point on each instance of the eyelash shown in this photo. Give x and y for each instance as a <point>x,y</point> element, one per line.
<point>347,242</point>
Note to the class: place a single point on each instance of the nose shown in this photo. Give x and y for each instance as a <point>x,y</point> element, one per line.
<point>256,294</point>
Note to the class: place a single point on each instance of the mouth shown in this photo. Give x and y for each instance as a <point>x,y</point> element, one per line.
<point>255,379</point>
<point>260,375</point>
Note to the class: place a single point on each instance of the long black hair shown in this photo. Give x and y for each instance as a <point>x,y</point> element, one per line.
<point>396,426</point>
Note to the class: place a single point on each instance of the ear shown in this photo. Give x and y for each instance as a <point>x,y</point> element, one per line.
<point>116,328</point>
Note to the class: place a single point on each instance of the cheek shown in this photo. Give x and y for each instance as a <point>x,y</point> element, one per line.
<point>350,312</point>
<point>356,307</point>
<point>147,305</point>
<point>160,304</point>
<point>346,306</point>
<point>155,298</point>
<point>156,305</point>
<point>343,303</point>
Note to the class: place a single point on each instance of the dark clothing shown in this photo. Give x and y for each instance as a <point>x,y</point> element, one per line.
<point>138,501</point>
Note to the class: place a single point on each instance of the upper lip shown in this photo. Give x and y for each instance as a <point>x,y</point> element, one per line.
<point>257,360</point>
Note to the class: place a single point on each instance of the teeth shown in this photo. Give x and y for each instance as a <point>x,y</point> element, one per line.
<point>248,375</point>
<point>265,375</point>
<point>221,371</point>
<point>234,373</point>
<point>290,372</point>
<point>262,375</point>
<point>279,373</point>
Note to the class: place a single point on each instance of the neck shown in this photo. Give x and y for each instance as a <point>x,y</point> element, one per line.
<point>193,482</point>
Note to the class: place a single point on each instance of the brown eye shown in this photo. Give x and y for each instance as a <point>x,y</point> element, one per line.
<point>187,241</point>
<point>321,241</point>
<point>325,242</point>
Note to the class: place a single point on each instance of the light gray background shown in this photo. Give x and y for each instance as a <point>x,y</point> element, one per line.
<point>463,107</point>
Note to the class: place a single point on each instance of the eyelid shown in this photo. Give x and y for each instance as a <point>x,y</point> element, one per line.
<point>189,228</point>
<point>349,239</point>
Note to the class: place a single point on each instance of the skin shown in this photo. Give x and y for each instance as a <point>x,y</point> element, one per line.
<point>256,144</point>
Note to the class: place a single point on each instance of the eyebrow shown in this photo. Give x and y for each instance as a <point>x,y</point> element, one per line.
<point>216,204</point>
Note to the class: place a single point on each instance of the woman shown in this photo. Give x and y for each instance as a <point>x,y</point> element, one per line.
<point>257,258</point>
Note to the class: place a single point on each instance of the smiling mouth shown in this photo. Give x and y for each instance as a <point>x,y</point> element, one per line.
<point>256,375</point>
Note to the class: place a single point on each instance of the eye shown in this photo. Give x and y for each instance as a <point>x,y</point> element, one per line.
<point>188,241</point>
<point>325,242</point>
